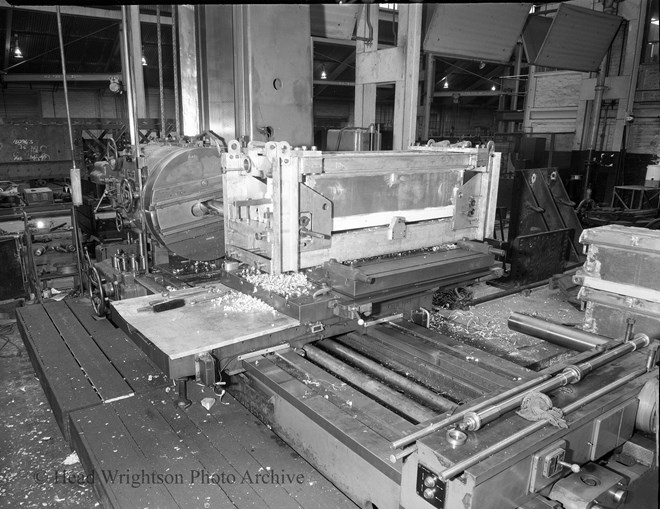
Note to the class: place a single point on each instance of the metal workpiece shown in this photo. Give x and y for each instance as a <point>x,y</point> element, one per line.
<point>412,410</point>
<point>575,339</point>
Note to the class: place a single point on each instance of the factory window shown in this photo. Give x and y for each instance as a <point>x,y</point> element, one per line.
<point>652,39</point>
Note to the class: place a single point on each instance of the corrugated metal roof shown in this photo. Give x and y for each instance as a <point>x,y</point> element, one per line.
<point>485,31</point>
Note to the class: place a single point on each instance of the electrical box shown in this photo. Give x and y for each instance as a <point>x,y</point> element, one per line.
<point>38,195</point>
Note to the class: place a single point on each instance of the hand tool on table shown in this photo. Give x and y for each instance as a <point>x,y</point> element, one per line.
<point>159,306</point>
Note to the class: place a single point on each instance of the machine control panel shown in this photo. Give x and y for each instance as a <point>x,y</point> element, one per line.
<point>430,487</point>
<point>548,465</point>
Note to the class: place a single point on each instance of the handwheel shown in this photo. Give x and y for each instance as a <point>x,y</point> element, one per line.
<point>126,195</point>
<point>87,264</point>
<point>97,292</point>
<point>119,221</point>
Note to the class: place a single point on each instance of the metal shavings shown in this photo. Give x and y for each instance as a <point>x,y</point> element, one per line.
<point>287,285</point>
<point>236,302</point>
<point>434,249</point>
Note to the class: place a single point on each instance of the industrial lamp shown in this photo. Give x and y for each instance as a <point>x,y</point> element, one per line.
<point>144,60</point>
<point>18,54</point>
<point>446,85</point>
<point>324,75</point>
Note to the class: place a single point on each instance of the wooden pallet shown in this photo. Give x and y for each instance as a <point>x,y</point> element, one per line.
<point>82,362</point>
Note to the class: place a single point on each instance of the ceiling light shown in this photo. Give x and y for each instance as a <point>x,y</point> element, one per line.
<point>446,85</point>
<point>493,88</point>
<point>18,54</point>
<point>144,60</point>
<point>324,75</point>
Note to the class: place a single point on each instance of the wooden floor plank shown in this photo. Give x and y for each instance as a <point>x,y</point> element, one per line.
<point>64,383</point>
<point>211,458</point>
<point>106,449</point>
<point>103,375</point>
<point>273,454</point>
<point>165,452</point>
<point>140,373</point>
<point>238,453</point>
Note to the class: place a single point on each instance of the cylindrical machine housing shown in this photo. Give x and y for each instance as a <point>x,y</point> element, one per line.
<point>179,179</point>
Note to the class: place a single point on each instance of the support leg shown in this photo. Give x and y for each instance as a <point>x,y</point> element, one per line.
<point>182,400</point>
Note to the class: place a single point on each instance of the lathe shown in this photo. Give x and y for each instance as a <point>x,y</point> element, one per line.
<point>318,323</point>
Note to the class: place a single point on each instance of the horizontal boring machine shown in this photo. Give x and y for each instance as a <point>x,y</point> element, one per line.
<point>319,324</point>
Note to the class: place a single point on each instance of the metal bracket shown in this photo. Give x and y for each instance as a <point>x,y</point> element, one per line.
<point>397,229</point>
<point>205,369</point>
<point>263,351</point>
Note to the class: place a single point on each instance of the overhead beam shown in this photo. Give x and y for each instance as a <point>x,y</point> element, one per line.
<point>332,83</point>
<point>27,77</point>
<point>91,12</point>
<point>469,93</point>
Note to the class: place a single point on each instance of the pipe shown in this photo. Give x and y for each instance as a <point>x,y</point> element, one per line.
<point>506,293</point>
<point>402,442</point>
<point>76,188</point>
<point>175,65</point>
<point>474,421</point>
<point>128,77</point>
<point>425,395</point>
<point>430,89</point>
<point>461,466</point>
<point>161,87</point>
<point>366,384</point>
<point>561,335</point>
<point>132,120</point>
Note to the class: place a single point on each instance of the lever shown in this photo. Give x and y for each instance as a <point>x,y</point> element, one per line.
<point>575,468</point>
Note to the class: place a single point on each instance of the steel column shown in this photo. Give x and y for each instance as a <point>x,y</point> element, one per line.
<point>188,70</point>
<point>135,36</point>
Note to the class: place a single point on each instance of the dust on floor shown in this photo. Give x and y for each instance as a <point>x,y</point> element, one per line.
<point>37,468</point>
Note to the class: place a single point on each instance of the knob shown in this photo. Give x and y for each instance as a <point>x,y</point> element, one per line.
<point>430,481</point>
<point>429,493</point>
<point>575,468</point>
<point>619,495</point>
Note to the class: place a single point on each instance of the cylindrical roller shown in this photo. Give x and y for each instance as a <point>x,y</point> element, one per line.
<point>374,388</point>
<point>561,335</point>
<point>459,467</point>
<point>570,375</point>
<point>425,395</point>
